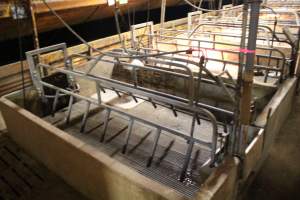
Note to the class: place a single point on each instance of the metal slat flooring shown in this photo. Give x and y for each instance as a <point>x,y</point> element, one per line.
<point>164,169</point>
<point>169,157</point>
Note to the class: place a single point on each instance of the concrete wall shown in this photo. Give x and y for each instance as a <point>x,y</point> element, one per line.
<point>100,177</point>
<point>93,173</point>
<point>221,184</point>
<point>280,105</point>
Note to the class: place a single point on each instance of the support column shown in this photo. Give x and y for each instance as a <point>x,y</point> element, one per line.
<point>163,13</point>
<point>34,26</point>
<point>247,79</point>
<point>36,42</point>
<point>234,139</point>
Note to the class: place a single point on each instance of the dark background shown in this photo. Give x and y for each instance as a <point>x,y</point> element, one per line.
<point>89,31</point>
<point>10,51</point>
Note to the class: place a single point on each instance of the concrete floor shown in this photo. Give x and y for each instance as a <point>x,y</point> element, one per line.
<point>279,177</point>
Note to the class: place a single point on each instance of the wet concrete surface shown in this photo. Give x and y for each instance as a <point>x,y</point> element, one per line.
<point>279,177</point>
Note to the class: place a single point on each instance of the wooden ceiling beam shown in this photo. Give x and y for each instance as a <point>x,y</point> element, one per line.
<point>40,7</point>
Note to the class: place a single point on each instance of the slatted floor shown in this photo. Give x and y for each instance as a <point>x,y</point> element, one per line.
<point>170,153</point>
<point>21,177</point>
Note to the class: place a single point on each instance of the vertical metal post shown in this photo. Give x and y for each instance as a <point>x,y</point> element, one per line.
<point>98,90</point>
<point>188,152</point>
<point>85,117</point>
<point>116,15</point>
<point>245,105</point>
<point>201,66</point>
<point>55,101</point>
<point>234,137</point>
<point>294,53</point>
<point>34,26</point>
<point>158,132</point>
<point>298,64</point>
<point>36,42</point>
<point>163,13</point>
<point>131,121</point>
<point>220,4</point>
<point>108,111</point>
<point>69,109</point>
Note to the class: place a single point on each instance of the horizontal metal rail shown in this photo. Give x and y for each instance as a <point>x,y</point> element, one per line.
<point>173,59</point>
<point>114,85</point>
<point>289,12</point>
<point>188,74</point>
<point>228,61</point>
<point>267,29</point>
<point>221,34</point>
<point>281,58</point>
<point>191,140</point>
<point>223,43</point>
<point>237,14</point>
<point>206,106</point>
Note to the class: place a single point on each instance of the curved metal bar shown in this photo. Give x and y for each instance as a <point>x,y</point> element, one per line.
<point>233,25</point>
<point>221,43</point>
<point>190,62</point>
<point>138,66</point>
<point>191,139</point>
<point>148,93</point>
<point>201,68</point>
<point>184,61</point>
<point>224,35</point>
<point>291,12</point>
<point>283,57</point>
<point>235,63</point>
<point>171,63</point>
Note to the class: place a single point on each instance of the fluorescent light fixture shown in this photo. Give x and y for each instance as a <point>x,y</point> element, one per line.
<point>113,2</point>
<point>123,1</point>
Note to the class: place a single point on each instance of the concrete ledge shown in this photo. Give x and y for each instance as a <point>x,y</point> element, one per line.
<point>253,154</point>
<point>281,105</point>
<point>100,177</point>
<point>85,168</point>
<point>221,184</point>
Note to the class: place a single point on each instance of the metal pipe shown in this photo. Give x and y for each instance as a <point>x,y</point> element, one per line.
<point>175,132</point>
<point>163,13</point>
<point>55,103</point>
<point>129,132</point>
<point>106,121</point>
<point>236,129</point>
<point>157,136</point>
<point>245,111</point>
<point>85,117</point>
<point>71,100</point>
<point>188,152</point>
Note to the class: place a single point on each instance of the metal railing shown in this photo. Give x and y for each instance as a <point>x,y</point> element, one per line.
<point>103,83</point>
<point>280,60</point>
<point>277,61</point>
